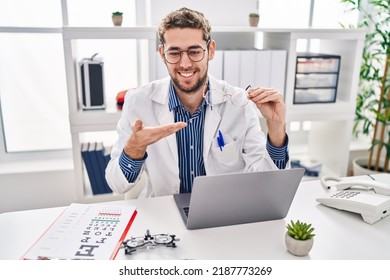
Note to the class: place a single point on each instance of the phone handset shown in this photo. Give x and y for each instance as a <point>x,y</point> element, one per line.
<point>378,187</point>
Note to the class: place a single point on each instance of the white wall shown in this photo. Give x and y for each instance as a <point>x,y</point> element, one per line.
<point>218,12</point>
<point>32,190</point>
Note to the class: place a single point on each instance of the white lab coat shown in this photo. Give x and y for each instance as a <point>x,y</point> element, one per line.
<point>244,150</point>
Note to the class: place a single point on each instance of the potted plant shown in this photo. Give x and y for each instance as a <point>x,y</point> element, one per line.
<point>254,19</point>
<point>117,18</point>
<point>372,115</point>
<point>299,238</point>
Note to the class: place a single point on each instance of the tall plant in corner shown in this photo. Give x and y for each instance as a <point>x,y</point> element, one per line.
<point>372,116</point>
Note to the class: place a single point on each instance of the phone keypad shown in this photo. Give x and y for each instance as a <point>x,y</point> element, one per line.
<point>345,194</point>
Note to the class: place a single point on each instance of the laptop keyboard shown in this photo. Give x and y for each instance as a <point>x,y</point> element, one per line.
<point>186,210</point>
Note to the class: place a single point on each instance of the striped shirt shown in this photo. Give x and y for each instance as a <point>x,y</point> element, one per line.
<point>190,146</point>
<point>189,141</point>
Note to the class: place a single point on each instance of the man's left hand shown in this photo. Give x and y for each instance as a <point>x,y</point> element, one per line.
<point>271,105</point>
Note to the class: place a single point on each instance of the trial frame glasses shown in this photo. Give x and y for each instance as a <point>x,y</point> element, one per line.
<point>149,241</point>
<point>195,54</point>
<point>238,97</point>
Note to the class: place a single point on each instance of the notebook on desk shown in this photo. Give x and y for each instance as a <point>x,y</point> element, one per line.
<point>238,198</point>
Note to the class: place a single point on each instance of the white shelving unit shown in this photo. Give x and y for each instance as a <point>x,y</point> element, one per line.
<point>99,120</point>
<point>331,123</point>
<point>330,134</point>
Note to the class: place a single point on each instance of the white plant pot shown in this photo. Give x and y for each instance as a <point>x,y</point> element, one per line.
<point>359,166</point>
<point>298,247</point>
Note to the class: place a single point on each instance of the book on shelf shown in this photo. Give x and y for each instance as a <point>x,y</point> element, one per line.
<point>95,160</point>
<point>85,232</point>
<point>89,168</point>
<point>95,166</point>
<point>99,151</point>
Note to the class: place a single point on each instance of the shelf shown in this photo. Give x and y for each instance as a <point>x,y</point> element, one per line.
<point>317,33</point>
<point>39,165</point>
<point>14,29</point>
<point>296,32</point>
<point>93,120</point>
<point>149,32</point>
<point>74,33</point>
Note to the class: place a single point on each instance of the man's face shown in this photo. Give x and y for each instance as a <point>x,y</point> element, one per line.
<point>187,76</point>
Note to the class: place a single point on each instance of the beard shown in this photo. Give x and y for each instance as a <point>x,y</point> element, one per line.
<point>190,90</point>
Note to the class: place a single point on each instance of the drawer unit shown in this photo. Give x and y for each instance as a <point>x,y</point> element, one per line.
<point>317,63</point>
<point>314,95</point>
<point>316,78</point>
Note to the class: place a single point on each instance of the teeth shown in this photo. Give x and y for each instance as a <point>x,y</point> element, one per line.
<point>186,74</point>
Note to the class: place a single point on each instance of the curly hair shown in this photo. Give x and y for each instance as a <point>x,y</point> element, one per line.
<point>184,18</point>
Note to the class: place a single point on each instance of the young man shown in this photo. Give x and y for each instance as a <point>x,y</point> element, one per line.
<point>190,124</point>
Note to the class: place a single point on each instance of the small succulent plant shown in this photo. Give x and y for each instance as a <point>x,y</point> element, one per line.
<point>117,13</point>
<point>299,230</point>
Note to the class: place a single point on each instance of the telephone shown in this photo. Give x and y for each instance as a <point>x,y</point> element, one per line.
<point>371,199</point>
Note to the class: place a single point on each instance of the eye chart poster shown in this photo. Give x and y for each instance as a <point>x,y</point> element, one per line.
<point>84,231</point>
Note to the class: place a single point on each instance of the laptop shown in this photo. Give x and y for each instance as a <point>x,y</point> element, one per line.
<point>238,198</point>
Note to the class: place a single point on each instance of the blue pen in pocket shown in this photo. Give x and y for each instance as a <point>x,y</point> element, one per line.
<point>221,142</point>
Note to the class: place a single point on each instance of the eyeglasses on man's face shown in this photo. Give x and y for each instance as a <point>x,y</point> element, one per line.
<point>195,54</point>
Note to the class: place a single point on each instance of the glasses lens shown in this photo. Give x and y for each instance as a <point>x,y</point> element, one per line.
<point>239,98</point>
<point>215,96</point>
<point>196,54</point>
<point>172,56</point>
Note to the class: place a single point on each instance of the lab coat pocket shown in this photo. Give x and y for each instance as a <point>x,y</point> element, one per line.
<point>227,159</point>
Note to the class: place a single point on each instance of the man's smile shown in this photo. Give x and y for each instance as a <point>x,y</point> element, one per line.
<point>186,74</point>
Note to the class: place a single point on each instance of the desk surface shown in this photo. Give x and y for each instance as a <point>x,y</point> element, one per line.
<point>339,235</point>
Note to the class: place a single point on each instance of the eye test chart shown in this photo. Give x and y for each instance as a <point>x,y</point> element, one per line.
<point>84,231</point>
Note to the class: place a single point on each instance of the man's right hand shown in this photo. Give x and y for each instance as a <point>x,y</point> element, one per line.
<point>144,136</point>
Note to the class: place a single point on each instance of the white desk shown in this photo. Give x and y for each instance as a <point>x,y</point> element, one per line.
<point>339,235</point>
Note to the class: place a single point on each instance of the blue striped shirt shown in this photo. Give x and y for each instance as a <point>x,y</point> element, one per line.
<point>189,141</point>
<point>190,146</point>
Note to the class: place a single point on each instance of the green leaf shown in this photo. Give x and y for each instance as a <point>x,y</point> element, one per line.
<point>300,230</point>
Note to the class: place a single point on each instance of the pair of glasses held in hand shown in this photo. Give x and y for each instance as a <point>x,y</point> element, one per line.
<point>238,98</point>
